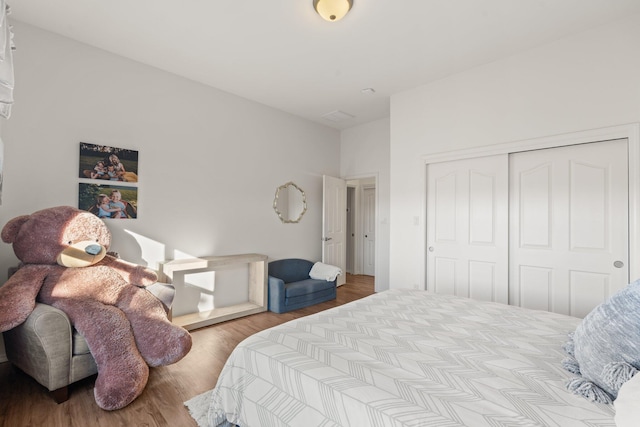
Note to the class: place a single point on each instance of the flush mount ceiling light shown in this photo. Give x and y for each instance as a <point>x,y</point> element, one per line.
<point>332,10</point>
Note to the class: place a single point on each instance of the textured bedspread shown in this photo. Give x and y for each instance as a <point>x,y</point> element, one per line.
<point>406,358</point>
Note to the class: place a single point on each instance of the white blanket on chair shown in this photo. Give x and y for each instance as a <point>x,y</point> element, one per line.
<point>322,271</point>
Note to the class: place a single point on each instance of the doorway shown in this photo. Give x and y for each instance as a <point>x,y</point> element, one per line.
<point>361,226</point>
<point>351,230</point>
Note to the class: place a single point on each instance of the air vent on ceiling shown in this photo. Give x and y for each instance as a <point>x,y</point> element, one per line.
<point>338,116</point>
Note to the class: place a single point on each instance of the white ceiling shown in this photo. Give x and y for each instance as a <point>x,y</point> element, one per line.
<point>282,54</point>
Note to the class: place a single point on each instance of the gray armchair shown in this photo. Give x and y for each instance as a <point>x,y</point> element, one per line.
<point>49,349</point>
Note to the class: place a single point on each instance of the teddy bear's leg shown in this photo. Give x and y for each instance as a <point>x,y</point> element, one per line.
<point>122,372</point>
<point>159,341</point>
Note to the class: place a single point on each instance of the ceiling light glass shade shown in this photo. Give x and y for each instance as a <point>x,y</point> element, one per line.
<point>332,10</point>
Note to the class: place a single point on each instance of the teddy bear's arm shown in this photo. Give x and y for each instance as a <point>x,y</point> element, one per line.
<point>18,295</point>
<point>132,273</point>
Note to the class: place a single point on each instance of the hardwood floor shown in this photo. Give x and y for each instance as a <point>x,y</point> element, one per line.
<point>23,402</point>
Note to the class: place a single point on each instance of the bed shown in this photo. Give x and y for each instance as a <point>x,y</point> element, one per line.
<point>403,358</point>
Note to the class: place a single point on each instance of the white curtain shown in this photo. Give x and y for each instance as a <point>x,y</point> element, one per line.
<point>6,61</point>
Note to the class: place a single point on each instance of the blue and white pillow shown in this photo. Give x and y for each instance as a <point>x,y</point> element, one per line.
<point>604,350</point>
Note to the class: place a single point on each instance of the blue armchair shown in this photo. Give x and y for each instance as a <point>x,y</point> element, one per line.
<point>290,286</point>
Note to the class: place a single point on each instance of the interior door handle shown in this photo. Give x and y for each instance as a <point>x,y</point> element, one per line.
<point>326,239</point>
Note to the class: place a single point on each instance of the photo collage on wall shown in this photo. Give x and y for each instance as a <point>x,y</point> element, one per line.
<point>108,185</point>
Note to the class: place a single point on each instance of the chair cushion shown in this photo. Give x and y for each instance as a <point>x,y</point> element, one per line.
<point>79,344</point>
<point>308,286</point>
<point>310,299</point>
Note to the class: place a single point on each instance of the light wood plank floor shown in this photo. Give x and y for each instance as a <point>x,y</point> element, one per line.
<point>23,402</point>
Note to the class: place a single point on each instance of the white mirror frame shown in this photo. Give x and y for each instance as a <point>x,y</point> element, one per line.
<point>284,217</point>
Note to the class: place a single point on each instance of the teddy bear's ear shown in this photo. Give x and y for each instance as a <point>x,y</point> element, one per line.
<point>10,230</point>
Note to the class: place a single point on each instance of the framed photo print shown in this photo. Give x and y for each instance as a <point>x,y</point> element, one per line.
<point>105,163</point>
<point>108,201</point>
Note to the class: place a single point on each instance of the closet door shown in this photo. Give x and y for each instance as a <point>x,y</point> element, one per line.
<point>568,226</point>
<point>467,228</point>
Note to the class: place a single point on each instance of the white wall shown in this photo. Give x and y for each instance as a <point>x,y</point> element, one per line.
<point>582,82</point>
<point>365,153</point>
<point>209,163</point>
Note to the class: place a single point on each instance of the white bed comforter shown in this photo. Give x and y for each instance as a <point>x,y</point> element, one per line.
<point>406,358</point>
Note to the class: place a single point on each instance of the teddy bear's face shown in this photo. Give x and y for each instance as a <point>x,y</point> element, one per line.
<point>63,235</point>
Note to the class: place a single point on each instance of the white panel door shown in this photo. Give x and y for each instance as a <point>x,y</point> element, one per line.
<point>334,224</point>
<point>467,228</point>
<point>369,230</point>
<point>569,226</point>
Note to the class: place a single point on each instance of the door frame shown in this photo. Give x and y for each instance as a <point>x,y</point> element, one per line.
<point>631,132</point>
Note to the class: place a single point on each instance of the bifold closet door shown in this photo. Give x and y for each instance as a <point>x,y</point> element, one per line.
<point>467,228</point>
<point>568,226</point>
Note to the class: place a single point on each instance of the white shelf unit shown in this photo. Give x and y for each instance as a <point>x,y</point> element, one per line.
<point>257,287</point>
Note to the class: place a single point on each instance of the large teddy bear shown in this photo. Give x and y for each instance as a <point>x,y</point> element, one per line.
<point>65,264</point>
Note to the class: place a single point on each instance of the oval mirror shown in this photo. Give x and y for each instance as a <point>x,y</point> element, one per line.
<point>290,203</point>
